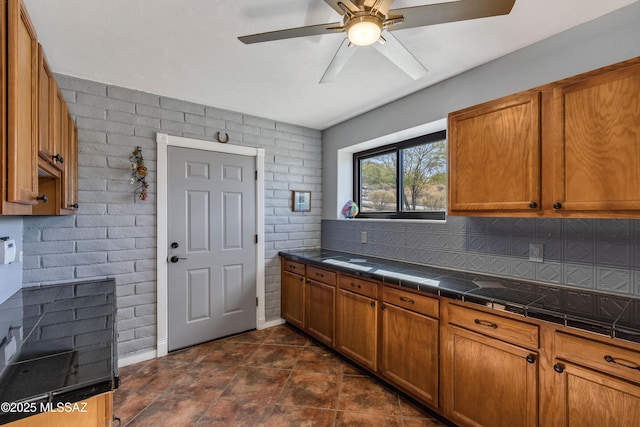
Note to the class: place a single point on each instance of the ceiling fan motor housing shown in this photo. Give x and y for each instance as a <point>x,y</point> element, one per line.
<point>363,29</point>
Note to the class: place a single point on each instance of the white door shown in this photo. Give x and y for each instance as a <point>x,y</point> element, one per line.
<point>211,255</point>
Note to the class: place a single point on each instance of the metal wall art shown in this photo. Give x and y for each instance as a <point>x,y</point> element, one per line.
<point>139,174</point>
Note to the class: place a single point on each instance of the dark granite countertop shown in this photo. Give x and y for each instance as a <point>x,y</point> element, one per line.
<point>612,315</point>
<point>58,343</point>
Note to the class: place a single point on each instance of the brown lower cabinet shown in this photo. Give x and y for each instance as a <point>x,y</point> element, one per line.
<point>320,300</point>
<point>592,382</point>
<point>410,351</point>
<point>474,365</point>
<point>292,294</point>
<point>357,328</point>
<point>488,382</point>
<point>96,411</point>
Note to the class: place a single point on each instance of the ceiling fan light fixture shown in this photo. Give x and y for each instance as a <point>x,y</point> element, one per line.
<point>364,30</point>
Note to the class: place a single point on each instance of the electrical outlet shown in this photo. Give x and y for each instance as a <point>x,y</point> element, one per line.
<point>536,252</point>
<point>363,237</point>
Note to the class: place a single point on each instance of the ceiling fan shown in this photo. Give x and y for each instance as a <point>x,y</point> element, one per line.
<point>368,23</point>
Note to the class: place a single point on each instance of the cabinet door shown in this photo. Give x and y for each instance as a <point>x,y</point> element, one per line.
<point>96,411</point>
<point>47,90</point>
<point>591,398</point>
<point>320,310</point>
<point>69,191</point>
<point>292,298</point>
<point>487,382</point>
<point>410,352</point>
<point>22,106</point>
<point>494,156</point>
<point>357,329</point>
<point>597,143</point>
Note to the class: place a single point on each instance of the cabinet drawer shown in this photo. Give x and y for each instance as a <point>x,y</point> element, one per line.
<point>323,276</point>
<point>359,286</point>
<point>598,355</point>
<point>418,303</point>
<point>502,328</point>
<point>292,266</point>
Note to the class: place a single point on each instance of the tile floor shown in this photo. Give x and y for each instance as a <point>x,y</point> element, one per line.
<point>273,377</point>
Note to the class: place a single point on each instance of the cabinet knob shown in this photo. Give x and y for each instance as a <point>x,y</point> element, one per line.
<point>533,205</point>
<point>531,358</point>
<point>58,158</point>
<point>373,303</point>
<point>43,198</point>
<point>557,205</point>
<point>74,206</point>
<point>558,368</point>
<point>383,307</point>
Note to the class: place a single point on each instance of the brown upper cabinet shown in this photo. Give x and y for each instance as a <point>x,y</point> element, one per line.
<point>596,143</point>
<point>569,148</point>
<point>38,150</point>
<point>494,155</point>
<point>49,148</point>
<point>20,171</point>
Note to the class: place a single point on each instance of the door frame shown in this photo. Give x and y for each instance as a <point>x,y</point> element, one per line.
<point>164,141</point>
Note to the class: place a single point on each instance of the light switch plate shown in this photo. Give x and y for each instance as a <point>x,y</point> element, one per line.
<point>363,237</point>
<point>536,252</point>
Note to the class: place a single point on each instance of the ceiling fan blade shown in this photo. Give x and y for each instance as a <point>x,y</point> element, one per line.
<point>400,55</point>
<point>381,6</point>
<point>439,13</point>
<point>347,3</point>
<point>340,59</point>
<point>312,30</point>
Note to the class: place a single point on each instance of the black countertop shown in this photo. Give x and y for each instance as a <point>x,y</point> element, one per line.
<point>608,314</point>
<point>58,344</point>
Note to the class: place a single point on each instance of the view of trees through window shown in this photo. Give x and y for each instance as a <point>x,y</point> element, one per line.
<point>417,167</point>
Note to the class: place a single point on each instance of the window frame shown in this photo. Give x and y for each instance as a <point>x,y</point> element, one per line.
<point>389,149</point>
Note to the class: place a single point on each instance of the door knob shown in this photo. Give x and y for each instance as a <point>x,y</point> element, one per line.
<point>175,259</point>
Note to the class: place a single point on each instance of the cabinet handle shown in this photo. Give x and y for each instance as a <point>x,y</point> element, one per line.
<point>383,307</point>
<point>373,303</point>
<point>353,285</point>
<point>531,358</point>
<point>558,368</point>
<point>486,323</point>
<point>44,198</point>
<point>557,205</point>
<point>319,274</point>
<point>300,279</point>
<point>74,206</point>
<point>410,301</point>
<point>58,158</point>
<point>533,205</point>
<point>293,267</point>
<point>624,363</point>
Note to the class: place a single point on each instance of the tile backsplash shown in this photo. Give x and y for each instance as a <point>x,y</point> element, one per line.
<point>597,254</point>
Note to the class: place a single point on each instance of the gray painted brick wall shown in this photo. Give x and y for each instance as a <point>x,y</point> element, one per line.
<point>597,254</point>
<point>114,235</point>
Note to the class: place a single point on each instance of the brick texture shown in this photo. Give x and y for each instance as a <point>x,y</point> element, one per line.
<point>113,235</point>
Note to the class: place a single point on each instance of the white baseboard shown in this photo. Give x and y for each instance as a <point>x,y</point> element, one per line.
<point>136,358</point>
<point>271,323</point>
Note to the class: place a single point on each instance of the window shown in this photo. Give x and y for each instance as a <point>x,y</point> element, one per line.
<point>403,180</point>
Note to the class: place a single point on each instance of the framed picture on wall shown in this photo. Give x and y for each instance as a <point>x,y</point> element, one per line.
<point>301,201</point>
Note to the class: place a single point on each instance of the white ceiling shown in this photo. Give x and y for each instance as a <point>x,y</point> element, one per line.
<point>188,49</point>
